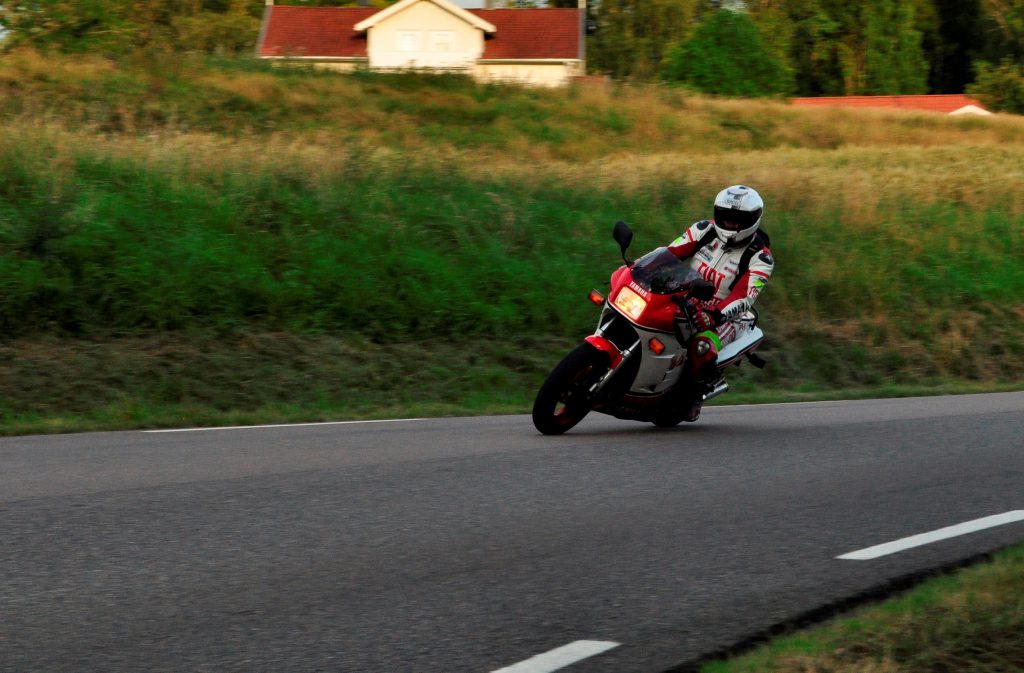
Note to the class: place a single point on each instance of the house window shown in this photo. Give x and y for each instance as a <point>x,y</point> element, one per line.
<point>442,40</point>
<point>409,40</point>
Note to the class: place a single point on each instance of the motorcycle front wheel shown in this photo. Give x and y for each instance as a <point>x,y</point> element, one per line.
<point>564,399</point>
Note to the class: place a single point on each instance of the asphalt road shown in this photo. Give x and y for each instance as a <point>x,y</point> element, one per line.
<point>471,544</point>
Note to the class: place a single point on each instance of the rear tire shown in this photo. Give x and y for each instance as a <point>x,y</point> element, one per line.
<point>564,399</point>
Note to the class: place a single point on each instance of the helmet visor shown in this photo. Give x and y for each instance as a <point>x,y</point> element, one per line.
<point>736,220</point>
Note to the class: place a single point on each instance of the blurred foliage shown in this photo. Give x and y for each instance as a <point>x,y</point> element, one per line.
<point>633,36</point>
<point>727,56</point>
<point>1003,25</point>
<point>893,56</point>
<point>832,47</point>
<point>1000,87</point>
<point>119,27</point>
<point>823,47</point>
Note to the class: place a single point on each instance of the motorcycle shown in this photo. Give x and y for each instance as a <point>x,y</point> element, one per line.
<point>646,357</point>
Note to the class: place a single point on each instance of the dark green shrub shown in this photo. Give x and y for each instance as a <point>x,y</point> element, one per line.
<point>726,56</point>
<point>1000,87</point>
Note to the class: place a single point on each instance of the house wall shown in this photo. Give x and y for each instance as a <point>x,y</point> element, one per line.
<point>401,41</point>
<point>533,74</point>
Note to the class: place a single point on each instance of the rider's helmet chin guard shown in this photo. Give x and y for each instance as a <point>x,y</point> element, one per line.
<point>738,211</point>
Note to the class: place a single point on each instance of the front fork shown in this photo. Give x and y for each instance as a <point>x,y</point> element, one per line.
<point>616,357</point>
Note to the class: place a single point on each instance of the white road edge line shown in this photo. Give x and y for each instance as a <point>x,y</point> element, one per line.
<point>560,657</point>
<point>933,536</point>
<point>286,425</point>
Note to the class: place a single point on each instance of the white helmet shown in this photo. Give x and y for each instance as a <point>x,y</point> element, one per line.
<point>738,211</point>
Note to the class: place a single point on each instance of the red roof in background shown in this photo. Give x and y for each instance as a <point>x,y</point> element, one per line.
<point>314,31</point>
<point>328,31</point>
<point>933,103</point>
<point>532,33</point>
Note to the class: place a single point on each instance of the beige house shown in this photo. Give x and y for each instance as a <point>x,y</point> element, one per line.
<point>543,47</point>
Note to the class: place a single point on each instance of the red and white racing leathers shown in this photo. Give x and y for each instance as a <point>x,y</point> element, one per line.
<point>734,295</point>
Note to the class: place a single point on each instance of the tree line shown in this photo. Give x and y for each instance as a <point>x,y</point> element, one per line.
<point>724,47</point>
<point>817,47</point>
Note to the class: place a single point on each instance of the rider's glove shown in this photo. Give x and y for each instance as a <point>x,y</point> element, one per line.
<point>703,320</point>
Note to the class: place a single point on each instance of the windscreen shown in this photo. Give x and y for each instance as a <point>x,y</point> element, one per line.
<point>662,272</point>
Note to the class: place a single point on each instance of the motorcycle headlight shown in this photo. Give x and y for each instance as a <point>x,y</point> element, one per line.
<point>630,303</point>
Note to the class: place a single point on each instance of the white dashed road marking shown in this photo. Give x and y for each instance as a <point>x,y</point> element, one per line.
<point>560,657</point>
<point>934,536</point>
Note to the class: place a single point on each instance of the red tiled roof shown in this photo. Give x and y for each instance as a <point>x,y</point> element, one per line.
<point>934,103</point>
<point>314,31</point>
<point>328,31</point>
<point>532,33</point>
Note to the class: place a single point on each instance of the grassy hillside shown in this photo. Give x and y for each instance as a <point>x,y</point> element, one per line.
<point>189,241</point>
<point>439,115</point>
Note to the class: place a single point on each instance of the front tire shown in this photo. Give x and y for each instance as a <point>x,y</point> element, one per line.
<point>564,399</point>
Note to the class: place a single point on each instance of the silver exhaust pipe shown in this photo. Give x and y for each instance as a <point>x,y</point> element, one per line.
<point>720,387</point>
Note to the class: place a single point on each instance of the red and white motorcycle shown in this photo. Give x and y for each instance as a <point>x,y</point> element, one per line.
<point>642,361</point>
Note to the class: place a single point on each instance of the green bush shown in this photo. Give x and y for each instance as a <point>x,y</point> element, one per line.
<point>726,56</point>
<point>1000,87</point>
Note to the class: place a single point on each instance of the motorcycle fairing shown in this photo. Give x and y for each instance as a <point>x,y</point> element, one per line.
<point>602,344</point>
<point>655,373</point>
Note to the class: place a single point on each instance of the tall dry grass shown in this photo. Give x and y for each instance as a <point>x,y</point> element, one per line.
<point>417,114</point>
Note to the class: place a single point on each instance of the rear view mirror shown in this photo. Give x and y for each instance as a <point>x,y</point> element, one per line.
<point>623,235</point>
<point>702,290</point>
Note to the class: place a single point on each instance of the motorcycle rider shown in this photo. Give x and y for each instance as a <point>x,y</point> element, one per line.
<point>732,253</point>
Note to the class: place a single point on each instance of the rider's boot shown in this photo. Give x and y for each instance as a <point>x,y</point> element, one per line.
<point>692,405</point>
<point>691,400</point>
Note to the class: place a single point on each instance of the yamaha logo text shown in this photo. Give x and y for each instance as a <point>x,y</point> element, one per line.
<point>639,290</point>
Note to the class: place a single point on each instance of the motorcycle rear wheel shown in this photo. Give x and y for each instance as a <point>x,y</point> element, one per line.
<point>564,399</point>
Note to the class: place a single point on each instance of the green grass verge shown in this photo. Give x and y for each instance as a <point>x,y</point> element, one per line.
<point>55,384</point>
<point>97,239</point>
<point>970,620</point>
